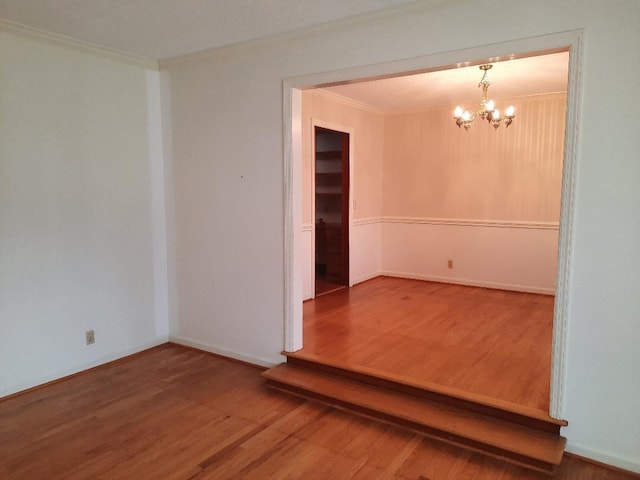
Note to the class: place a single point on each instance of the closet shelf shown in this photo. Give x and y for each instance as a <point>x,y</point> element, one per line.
<point>329,155</point>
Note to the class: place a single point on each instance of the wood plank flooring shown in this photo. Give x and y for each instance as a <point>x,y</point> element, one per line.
<point>494,343</point>
<point>325,285</point>
<point>176,413</point>
<point>539,450</point>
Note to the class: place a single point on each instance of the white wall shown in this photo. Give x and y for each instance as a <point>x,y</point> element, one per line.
<point>367,251</point>
<point>79,145</point>
<point>228,159</point>
<point>521,257</point>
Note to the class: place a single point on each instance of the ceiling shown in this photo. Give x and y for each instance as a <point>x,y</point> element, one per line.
<point>459,86</point>
<point>161,29</point>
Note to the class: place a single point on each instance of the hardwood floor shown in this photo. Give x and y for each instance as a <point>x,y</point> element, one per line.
<point>494,343</point>
<point>326,285</point>
<point>177,413</point>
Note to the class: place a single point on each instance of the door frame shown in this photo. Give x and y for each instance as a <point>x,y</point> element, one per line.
<point>292,98</point>
<point>315,122</point>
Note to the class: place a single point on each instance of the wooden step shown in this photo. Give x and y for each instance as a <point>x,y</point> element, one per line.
<point>518,444</point>
<point>484,405</point>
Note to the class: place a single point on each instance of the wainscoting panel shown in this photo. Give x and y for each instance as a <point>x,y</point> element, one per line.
<point>510,255</point>
<point>520,256</point>
<point>366,249</point>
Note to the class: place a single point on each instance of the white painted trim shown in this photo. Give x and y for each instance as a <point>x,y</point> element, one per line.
<point>367,221</point>
<point>77,45</point>
<point>515,48</point>
<point>307,227</point>
<point>437,61</point>
<point>293,270</point>
<point>346,101</point>
<point>462,222</point>
<point>623,463</point>
<point>335,97</point>
<point>565,240</point>
<point>362,20</point>
<point>206,347</point>
<point>364,278</point>
<point>471,283</point>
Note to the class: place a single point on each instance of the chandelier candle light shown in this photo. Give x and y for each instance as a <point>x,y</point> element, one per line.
<point>488,110</point>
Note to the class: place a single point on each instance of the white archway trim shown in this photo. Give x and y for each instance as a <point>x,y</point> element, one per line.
<point>293,178</point>
<point>293,275</point>
<point>565,241</point>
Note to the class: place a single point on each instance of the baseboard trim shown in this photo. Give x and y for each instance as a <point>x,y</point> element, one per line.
<point>223,352</point>
<point>89,367</point>
<point>468,282</point>
<point>605,460</point>
<point>364,278</point>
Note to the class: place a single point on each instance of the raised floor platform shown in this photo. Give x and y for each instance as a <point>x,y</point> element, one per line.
<point>490,342</point>
<point>517,434</point>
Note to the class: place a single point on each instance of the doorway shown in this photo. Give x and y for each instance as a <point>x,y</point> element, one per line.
<point>331,212</point>
<point>293,87</point>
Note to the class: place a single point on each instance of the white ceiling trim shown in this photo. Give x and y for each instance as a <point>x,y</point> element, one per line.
<point>346,101</point>
<point>77,45</point>
<point>513,99</point>
<point>361,20</point>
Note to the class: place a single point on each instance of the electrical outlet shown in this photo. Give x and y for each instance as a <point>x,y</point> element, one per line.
<point>90,336</point>
<point>449,263</point>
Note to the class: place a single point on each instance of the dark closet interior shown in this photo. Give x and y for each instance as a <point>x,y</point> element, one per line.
<point>331,209</point>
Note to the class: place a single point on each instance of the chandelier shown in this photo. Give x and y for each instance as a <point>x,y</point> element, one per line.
<point>488,110</point>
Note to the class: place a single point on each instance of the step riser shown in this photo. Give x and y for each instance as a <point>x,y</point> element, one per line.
<point>447,437</point>
<point>433,396</point>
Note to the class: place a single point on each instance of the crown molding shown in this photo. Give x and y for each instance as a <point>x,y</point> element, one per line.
<point>534,97</point>
<point>346,101</point>
<point>81,46</point>
<point>360,20</point>
<point>350,102</point>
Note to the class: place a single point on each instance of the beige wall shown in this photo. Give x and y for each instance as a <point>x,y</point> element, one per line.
<point>433,169</point>
<point>367,128</point>
<point>428,192</point>
<point>420,165</point>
